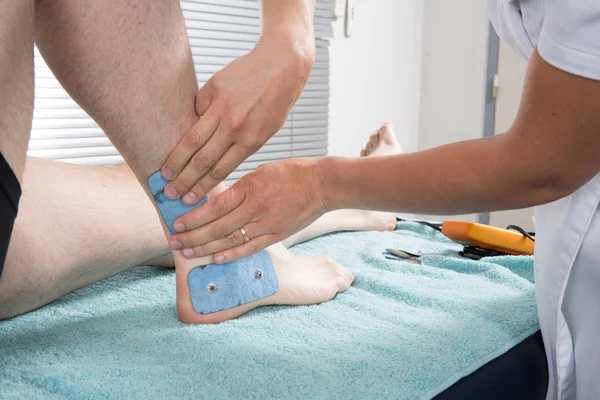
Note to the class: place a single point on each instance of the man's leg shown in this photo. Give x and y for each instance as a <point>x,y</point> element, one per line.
<point>110,227</point>
<point>52,254</point>
<point>128,63</point>
<point>16,80</point>
<point>344,220</point>
<point>382,142</point>
<point>63,241</point>
<point>16,107</point>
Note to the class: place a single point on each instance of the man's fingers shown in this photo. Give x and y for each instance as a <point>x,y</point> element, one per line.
<point>232,158</point>
<point>253,246</point>
<point>213,209</point>
<point>198,166</point>
<point>191,142</point>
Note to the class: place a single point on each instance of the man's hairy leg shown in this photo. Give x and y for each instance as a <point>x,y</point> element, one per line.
<point>16,108</point>
<point>54,253</point>
<point>62,241</point>
<point>128,64</point>
<point>51,255</point>
<point>16,81</point>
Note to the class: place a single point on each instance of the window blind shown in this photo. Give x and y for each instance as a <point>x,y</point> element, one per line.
<point>219,32</point>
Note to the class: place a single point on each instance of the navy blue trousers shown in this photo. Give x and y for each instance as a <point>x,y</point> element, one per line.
<point>520,373</point>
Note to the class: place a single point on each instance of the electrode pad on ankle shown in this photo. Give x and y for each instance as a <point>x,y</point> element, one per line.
<point>217,287</point>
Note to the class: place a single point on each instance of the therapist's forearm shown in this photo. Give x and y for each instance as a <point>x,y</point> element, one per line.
<point>290,21</point>
<point>466,177</point>
<point>550,151</point>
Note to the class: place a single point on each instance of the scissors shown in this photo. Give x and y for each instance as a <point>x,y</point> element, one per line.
<point>401,255</point>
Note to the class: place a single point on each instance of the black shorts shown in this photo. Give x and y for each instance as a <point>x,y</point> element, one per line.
<point>10,193</point>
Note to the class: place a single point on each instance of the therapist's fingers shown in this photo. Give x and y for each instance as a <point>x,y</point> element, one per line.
<point>246,249</point>
<point>232,240</point>
<point>182,154</point>
<point>198,166</point>
<point>215,208</point>
<point>204,98</point>
<point>232,158</point>
<point>215,230</point>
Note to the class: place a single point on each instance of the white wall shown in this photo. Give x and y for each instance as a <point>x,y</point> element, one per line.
<point>420,64</point>
<point>375,74</point>
<point>455,38</point>
<point>453,77</point>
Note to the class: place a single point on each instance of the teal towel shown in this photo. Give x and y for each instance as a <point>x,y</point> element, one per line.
<point>402,331</point>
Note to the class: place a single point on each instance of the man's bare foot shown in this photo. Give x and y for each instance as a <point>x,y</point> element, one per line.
<point>302,281</point>
<point>344,220</point>
<point>366,220</point>
<point>382,142</point>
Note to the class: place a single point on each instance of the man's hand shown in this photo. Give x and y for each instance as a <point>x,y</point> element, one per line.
<point>244,104</point>
<point>271,203</point>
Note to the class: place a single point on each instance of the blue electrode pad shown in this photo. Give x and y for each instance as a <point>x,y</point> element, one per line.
<point>217,287</point>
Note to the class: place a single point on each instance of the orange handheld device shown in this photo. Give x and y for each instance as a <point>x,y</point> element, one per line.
<point>488,237</point>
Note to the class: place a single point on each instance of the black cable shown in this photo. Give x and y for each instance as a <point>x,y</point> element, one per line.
<point>472,251</point>
<point>522,232</point>
<point>437,227</point>
<point>432,226</point>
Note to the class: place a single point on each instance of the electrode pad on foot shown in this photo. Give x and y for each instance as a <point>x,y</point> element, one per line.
<point>217,287</point>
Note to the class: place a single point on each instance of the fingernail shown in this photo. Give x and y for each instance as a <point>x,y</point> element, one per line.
<point>168,174</point>
<point>188,252</point>
<point>171,192</point>
<point>219,259</point>
<point>178,226</point>
<point>174,244</point>
<point>189,198</point>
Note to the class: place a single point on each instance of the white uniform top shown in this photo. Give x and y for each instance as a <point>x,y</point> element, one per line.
<point>567,248</point>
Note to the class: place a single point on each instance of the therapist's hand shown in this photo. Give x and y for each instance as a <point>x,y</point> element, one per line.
<point>271,203</point>
<point>240,108</point>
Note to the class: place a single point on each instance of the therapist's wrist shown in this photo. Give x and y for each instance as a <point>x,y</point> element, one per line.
<point>328,183</point>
